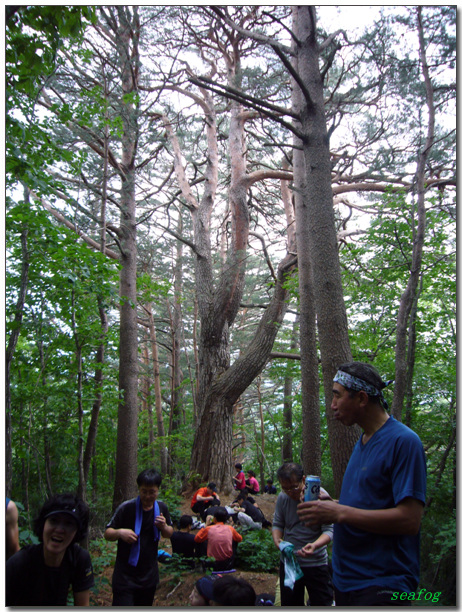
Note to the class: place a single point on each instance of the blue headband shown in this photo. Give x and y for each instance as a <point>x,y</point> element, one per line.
<point>357,384</point>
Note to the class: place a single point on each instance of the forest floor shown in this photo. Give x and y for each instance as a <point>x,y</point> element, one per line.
<point>174,590</point>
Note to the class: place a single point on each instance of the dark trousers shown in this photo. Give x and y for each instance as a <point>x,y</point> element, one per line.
<point>318,583</point>
<point>372,596</point>
<point>134,597</point>
<point>201,506</point>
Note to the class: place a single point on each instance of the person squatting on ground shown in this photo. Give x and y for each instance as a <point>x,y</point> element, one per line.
<point>239,479</point>
<point>310,543</point>
<point>137,525</point>
<point>248,514</point>
<point>222,540</point>
<point>41,574</point>
<point>269,487</point>
<point>377,518</point>
<point>183,543</point>
<point>251,483</point>
<point>204,498</point>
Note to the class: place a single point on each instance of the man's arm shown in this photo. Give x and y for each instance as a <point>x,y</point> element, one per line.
<point>82,598</point>
<point>127,535</point>
<point>12,530</point>
<point>236,535</point>
<point>165,529</point>
<point>202,535</point>
<point>403,519</point>
<point>310,548</point>
<point>278,535</point>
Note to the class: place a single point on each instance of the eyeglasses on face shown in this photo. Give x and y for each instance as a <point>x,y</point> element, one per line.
<point>290,489</point>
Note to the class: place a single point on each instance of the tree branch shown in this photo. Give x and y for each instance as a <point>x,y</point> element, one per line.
<point>245,100</point>
<point>62,219</point>
<point>266,40</point>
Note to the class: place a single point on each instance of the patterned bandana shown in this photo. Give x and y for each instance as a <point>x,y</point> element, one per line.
<point>357,384</point>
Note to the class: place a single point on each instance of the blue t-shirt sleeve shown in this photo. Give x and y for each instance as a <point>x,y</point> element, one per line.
<point>409,470</point>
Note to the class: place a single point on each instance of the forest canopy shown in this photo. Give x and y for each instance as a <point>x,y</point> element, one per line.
<point>204,219</point>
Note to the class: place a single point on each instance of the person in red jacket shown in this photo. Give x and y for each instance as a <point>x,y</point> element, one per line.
<point>222,540</point>
<point>239,479</point>
<point>204,498</point>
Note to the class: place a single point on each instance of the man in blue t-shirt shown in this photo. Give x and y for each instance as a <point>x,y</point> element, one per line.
<point>377,519</point>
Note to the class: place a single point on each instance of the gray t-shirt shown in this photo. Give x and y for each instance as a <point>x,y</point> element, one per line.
<point>297,533</point>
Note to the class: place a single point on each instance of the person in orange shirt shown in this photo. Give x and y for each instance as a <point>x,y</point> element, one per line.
<point>204,498</point>
<point>222,540</point>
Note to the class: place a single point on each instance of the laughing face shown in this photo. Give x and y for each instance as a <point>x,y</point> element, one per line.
<point>148,496</point>
<point>58,532</point>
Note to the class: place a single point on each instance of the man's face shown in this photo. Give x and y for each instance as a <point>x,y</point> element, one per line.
<point>148,495</point>
<point>293,487</point>
<point>346,409</point>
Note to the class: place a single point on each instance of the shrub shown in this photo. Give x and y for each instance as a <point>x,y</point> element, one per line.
<point>257,551</point>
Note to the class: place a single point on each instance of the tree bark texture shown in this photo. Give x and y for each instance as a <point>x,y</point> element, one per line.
<point>176,395</point>
<point>127,419</point>
<point>157,390</point>
<point>318,212</point>
<point>402,369</point>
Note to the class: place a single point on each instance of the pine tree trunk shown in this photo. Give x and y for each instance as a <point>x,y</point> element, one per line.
<point>176,395</point>
<point>321,238</point>
<point>127,417</point>
<point>403,375</point>
<point>157,391</point>
<point>99,376</point>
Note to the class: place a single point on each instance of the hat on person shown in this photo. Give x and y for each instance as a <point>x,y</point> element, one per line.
<point>212,486</point>
<point>68,511</point>
<point>68,504</point>
<point>204,587</point>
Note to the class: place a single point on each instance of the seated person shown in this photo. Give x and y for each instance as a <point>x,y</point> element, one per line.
<point>252,485</point>
<point>183,543</point>
<point>249,514</point>
<point>221,541</point>
<point>42,574</point>
<point>269,487</point>
<point>233,591</point>
<point>210,513</point>
<point>246,495</point>
<point>239,479</point>
<point>204,498</point>
<point>202,593</point>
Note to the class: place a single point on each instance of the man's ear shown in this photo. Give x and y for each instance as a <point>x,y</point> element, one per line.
<point>363,398</point>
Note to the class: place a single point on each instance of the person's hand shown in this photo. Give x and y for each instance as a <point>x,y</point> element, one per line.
<point>319,512</point>
<point>307,550</point>
<point>128,536</point>
<point>160,521</point>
